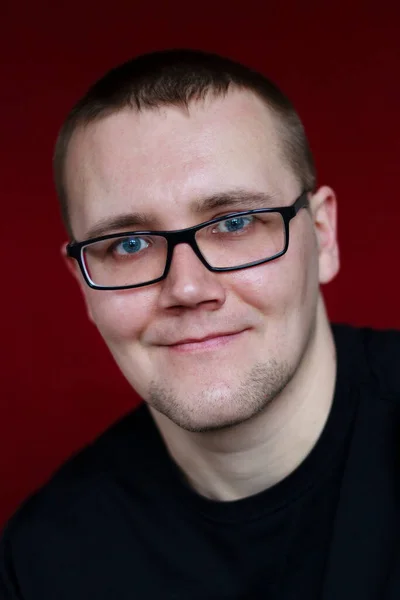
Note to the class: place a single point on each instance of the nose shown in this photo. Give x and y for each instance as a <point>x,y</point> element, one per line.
<point>190,284</point>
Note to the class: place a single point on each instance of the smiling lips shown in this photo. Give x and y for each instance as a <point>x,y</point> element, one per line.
<point>213,340</point>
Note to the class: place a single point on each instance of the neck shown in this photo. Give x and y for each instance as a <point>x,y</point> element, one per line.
<point>262,451</point>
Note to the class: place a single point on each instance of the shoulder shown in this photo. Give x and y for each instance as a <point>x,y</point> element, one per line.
<point>383,353</point>
<point>75,488</point>
<point>380,351</point>
<point>75,513</point>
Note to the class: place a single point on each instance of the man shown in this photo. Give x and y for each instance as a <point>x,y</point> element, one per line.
<point>263,462</point>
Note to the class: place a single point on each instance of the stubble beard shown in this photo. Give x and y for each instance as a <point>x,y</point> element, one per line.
<point>211,409</point>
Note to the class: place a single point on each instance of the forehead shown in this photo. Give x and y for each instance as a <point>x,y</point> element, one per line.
<point>159,161</point>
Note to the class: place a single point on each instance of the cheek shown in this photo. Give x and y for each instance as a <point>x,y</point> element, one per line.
<point>288,285</point>
<point>122,314</point>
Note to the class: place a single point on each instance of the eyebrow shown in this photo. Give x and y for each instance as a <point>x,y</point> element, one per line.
<point>234,199</point>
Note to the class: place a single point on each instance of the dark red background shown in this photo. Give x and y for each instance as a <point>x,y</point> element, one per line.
<point>340,64</point>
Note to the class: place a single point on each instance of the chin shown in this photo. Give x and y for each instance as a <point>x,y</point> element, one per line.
<point>218,408</point>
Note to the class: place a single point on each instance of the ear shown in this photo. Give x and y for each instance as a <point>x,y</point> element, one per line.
<point>324,214</point>
<point>75,271</point>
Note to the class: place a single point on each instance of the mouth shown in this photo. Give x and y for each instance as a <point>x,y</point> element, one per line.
<point>210,342</point>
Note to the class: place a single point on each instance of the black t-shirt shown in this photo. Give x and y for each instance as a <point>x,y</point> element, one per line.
<point>118,521</point>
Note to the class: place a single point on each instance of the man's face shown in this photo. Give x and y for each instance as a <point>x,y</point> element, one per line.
<point>163,163</point>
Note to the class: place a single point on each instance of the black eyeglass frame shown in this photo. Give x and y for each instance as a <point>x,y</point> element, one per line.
<point>187,236</point>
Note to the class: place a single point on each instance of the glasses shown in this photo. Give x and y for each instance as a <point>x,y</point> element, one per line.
<point>238,240</point>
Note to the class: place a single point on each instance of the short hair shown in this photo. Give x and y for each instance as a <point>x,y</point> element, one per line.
<point>179,77</point>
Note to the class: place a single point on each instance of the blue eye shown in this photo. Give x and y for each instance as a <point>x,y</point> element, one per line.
<point>234,224</point>
<point>130,245</point>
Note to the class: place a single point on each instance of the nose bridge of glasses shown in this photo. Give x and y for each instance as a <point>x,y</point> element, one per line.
<point>183,236</point>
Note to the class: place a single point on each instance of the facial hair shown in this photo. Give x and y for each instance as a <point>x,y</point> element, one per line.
<point>220,408</point>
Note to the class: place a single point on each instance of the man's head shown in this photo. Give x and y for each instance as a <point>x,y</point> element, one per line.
<point>159,137</point>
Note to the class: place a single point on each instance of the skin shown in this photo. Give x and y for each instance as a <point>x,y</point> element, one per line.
<point>240,413</point>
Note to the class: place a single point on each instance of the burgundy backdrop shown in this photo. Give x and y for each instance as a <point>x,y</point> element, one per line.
<point>341,67</point>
